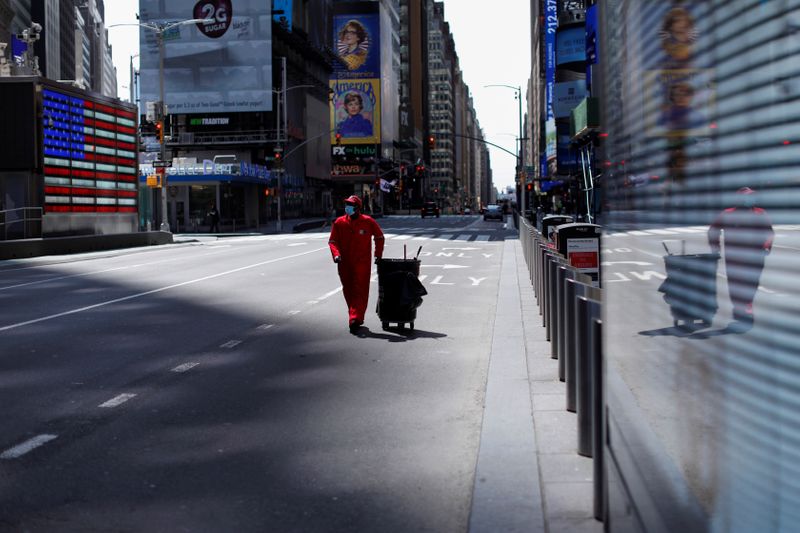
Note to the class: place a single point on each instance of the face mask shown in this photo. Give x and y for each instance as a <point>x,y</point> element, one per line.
<point>350,210</point>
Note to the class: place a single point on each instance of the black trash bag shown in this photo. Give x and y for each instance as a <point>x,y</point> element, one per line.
<point>403,290</point>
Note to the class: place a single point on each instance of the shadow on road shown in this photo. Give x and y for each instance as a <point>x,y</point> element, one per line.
<point>400,335</point>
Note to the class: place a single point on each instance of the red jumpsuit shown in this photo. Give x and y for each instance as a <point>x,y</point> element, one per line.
<point>748,238</point>
<point>351,241</point>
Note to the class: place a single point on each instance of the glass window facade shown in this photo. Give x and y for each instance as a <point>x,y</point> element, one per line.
<point>701,104</point>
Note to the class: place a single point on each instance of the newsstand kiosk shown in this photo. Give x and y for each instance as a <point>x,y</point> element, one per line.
<point>580,244</point>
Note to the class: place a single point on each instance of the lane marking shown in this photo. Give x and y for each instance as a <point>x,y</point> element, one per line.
<point>329,294</point>
<point>422,237</point>
<point>661,232</point>
<point>292,313</point>
<point>21,449</point>
<point>265,327</point>
<point>184,367</point>
<point>482,237</point>
<point>463,237</point>
<point>117,400</point>
<point>297,244</point>
<point>155,291</point>
<point>231,344</point>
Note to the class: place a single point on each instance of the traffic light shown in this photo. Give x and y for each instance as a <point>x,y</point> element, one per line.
<point>431,142</point>
<point>529,187</point>
<point>278,156</point>
<point>338,138</point>
<point>160,131</point>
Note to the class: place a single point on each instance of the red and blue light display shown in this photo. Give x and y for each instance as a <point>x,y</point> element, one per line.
<point>89,156</point>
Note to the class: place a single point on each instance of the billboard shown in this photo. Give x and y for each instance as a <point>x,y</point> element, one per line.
<point>357,43</point>
<point>89,155</point>
<point>221,67</point>
<point>355,111</point>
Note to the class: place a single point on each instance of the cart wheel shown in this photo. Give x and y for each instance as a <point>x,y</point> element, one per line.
<point>385,325</point>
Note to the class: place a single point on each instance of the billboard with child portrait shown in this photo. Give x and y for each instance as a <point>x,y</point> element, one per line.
<point>356,111</point>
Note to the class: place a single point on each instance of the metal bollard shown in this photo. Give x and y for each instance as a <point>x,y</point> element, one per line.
<point>586,311</point>
<point>564,272</point>
<point>551,303</point>
<point>599,422</point>
<point>571,288</point>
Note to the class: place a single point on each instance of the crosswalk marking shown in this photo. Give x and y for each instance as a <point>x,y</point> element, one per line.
<point>463,237</point>
<point>482,238</point>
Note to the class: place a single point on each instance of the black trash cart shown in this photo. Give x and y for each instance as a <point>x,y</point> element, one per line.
<point>690,289</point>
<point>399,291</point>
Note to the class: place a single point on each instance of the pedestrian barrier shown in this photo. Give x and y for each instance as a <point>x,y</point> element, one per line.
<point>570,303</point>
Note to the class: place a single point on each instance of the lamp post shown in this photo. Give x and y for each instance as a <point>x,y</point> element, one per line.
<point>160,28</point>
<point>520,156</point>
<point>281,140</point>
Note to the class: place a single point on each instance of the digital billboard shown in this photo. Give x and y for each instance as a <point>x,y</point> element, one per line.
<point>89,155</point>
<point>355,111</point>
<point>357,44</point>
<point>221,67</point>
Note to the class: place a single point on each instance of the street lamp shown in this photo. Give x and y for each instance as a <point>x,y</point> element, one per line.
<point>282,98</point>
<point>160,28</point>
<point>518,96</point>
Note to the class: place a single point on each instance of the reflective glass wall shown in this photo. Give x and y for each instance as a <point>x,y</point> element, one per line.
<point>701,104</point>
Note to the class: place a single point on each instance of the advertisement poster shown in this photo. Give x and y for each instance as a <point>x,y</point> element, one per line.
<point>571,45</point>
<point>224,66</point>
<point>356,42</point>
<point>584,255</point>
<point>566,97</point>
<point>356,111</point>
<point>551,24</point>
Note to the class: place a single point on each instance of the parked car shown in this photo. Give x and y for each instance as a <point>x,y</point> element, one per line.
<point>467,211</point>
<point>493,212</point>
<point>429,209</point>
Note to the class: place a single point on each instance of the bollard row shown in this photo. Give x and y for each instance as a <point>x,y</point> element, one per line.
<point>570,306</point>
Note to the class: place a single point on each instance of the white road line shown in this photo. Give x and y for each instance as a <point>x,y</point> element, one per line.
<point>297,244</point>
<point>463,237</point>
<point>21,449</point>
<point>639,233</point>
<point>265,327</point>
<point>184,367</point>
<point>117,400</point>
<point>688,230</point>
<point>422,237</point>
<point>445,237</point>
<point>661,232</point>
<point>401,237</point>
<point>329,294</point>
<point>231,344</point>
<point>295,312</point>
<point>482,237</point>
<point>154,291</point>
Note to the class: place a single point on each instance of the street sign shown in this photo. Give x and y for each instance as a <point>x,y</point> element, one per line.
<point>154,181</point>
<point>162,164</point>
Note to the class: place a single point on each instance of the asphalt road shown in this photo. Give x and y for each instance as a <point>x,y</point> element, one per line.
<point>213,385</point>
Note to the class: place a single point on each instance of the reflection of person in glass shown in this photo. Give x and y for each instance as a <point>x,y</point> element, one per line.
<point>679,115</point>
<point>748,235</point>
<point>355,125</point>
<point>678,34</point>
<point>352,45</point>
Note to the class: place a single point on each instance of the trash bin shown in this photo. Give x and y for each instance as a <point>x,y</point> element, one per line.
<point>690,289</point>
<point>579,242</point>
<point>399,292</point>
<point>549,224</point>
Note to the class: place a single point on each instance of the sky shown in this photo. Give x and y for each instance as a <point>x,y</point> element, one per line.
<point>493,43</point>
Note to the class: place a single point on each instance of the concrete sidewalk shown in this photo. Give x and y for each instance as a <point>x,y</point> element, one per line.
<point>529,476</point>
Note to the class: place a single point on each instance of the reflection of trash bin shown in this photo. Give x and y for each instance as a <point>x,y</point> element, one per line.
<point>399,291</point>
<point>690,289</point>
<point>549,224</point>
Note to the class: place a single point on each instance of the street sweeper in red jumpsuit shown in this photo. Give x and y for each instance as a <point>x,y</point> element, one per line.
<point>351,246</point>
